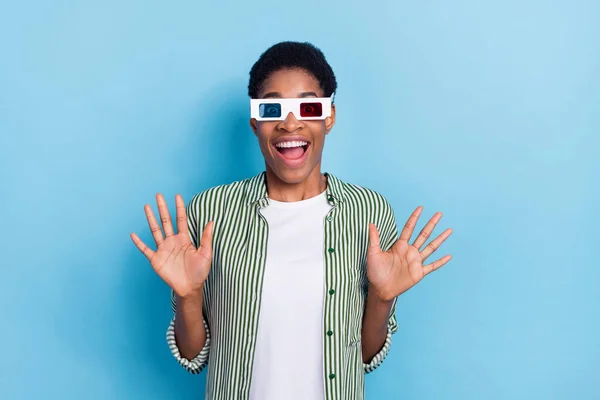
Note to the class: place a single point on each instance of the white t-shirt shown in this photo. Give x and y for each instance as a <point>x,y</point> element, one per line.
<point>288,362</point>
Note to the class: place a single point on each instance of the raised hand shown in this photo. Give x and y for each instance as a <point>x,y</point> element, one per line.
<point>393,272</point>
<point>183,267</point>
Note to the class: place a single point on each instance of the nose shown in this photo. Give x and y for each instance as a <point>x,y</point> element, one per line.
<point>290,123</point>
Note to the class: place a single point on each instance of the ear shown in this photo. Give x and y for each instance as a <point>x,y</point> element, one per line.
<point>330,121</point>
<point>254,126</point>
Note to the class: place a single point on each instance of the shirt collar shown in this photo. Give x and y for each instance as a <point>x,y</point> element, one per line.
<point>256,191</point>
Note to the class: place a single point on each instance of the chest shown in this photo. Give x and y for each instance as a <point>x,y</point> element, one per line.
<point>244,237</point>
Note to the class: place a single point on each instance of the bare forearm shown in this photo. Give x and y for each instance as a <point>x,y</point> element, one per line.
<point>190,333</point>
<point>375,325</point>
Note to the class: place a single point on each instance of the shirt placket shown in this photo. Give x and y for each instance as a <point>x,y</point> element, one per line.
<point>261,229</point>
<point>331,294</point>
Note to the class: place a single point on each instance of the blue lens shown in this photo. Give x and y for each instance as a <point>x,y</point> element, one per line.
<point>269,110</point>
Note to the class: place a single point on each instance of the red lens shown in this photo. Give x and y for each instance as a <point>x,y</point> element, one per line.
<point>311,109</point>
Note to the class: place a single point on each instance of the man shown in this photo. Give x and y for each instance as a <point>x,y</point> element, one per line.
<point>285,284</point>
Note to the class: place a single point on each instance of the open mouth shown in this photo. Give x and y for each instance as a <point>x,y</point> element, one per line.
<point>292,152</point>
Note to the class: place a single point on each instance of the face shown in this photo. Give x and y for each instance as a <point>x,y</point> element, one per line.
<point>279,140</point>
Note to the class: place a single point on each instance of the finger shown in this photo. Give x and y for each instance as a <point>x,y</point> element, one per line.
<point>374,240</point>
<point>435,244</point>
<point>154,227</point>
<point>142,246</point>
<point>427,230</point>
<point>408,229</point>
<point>182,225</point>
<point>165,217</point>
<point>205,247</point>
<point>435,265</point>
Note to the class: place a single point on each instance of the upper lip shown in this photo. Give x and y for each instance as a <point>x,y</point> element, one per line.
<point>290,139</point>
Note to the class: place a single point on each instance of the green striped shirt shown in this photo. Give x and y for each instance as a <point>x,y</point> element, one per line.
<point>232,292</point>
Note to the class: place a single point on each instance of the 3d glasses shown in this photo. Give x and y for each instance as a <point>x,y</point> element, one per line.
<point>303,108</point>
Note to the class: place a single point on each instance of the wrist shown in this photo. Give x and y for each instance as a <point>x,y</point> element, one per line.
<point>194,295</point>
<point>380,299</point>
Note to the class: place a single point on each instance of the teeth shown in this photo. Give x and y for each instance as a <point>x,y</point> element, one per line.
<point>294,143</point>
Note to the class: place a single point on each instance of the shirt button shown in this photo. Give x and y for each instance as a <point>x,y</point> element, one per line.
<point>330,198</point>
<point>331,291</point>
<point>329,333</point>
<point>329,218</point>
<point>331,250</point>
<point>331,376</point>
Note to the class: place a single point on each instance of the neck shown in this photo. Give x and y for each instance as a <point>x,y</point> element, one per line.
<point>312,186</point>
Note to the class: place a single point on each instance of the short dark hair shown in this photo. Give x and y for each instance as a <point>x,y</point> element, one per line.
<point>292,55</point>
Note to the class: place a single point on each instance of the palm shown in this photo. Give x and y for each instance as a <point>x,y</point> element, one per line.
<point>179,264</point>
<point>183,267</point>
<point>393,272</point>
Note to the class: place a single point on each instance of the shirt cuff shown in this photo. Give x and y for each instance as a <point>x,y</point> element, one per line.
<point>198,363</point>
<point>377,360</point>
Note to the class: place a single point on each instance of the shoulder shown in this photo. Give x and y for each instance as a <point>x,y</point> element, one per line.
<point>368,205</point>
<point>235,191</point>
<point>361,196</point>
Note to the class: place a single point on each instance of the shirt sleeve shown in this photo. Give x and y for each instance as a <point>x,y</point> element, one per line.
<point>198,363</point>
<point>388,235</point>
<point>377,360</point>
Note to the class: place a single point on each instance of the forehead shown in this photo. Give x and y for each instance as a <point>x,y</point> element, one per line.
<point>290,83</point>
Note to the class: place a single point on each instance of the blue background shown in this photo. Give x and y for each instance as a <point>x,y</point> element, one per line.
<point>486,111</point>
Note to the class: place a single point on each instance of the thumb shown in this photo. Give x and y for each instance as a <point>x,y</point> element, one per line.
<point>205,247</point>
<point>374,243</point>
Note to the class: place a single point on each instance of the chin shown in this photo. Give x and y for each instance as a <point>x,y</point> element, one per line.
<point>292,176</point>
